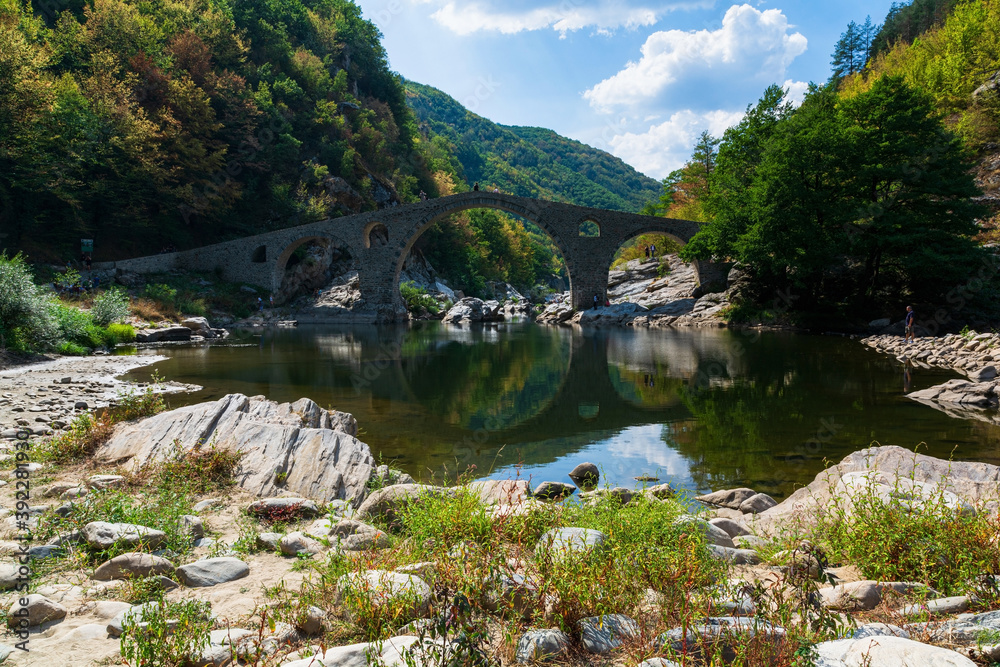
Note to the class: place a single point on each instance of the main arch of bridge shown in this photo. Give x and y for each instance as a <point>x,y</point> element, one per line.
<point>381,240</point>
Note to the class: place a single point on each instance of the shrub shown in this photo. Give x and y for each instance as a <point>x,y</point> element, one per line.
<point>156,643</point>
<point>120,333</point>
<point>165,294</point>
<point>72,349</point>
<point>26,319</point>
<point>111,306</point>
<point>189,306</point>
<point>417,298</point>
<point>77,326</point>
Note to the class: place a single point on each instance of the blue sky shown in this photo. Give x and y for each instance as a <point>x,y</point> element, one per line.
<point>640,79</point>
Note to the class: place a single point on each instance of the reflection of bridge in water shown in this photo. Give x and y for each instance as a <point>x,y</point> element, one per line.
<point>602,390</point>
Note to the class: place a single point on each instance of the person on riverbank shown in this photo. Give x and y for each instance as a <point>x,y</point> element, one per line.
<point>475,188</point>
<point>260,304</point>
<point>597,300</point>
<point>910,322</point>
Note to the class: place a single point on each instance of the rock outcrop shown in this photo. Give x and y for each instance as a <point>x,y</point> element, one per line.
<point>913,480</point>
<point>289,447</point>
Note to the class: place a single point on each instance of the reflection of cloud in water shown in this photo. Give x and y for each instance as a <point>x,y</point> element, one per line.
<point>343,348</point>
<point>681,354</point>
<point>621,456</point>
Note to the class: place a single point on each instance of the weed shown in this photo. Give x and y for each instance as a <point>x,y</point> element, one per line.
<point>169,634</point>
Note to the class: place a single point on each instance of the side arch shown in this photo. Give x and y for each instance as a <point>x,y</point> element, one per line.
<point>281,262</point>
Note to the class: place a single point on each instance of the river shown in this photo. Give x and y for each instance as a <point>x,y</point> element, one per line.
<point>701,409</point>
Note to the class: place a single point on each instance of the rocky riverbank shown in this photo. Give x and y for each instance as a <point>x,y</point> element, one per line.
<point>45,397</point>
<point>975,355</point>
<point>646,293</point>
<point>290,544</point>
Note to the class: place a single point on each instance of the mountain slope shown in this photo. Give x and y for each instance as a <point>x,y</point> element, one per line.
<point>529,161</point>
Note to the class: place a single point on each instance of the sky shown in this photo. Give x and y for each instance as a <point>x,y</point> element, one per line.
<point>638,78</point>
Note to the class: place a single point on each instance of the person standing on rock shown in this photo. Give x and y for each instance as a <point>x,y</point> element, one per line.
<point>910,322</point>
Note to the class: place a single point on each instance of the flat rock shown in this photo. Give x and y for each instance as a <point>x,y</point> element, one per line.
<point>297,543</point>
<point>212,571</point>
<point>900,472</point>
<point>38,610</point>
<point>732,528</point>
<point>733,555</point>
<point>899,652</point>
<point>102,482</point>
<point>103,535</point>
<point>314,449</point>
<point>731,498</point>
<point>854,596</point>
<point>133,564</point>
<point>285,507</point>
<point>879,630</point>
<point>500,491</point>
<point>937,607</point>
<point>385,503</point>
<point>9,574</point>
<point>381,588</point>
<point>713,533</point>
<point>134,612</point>
<point>566,541</point>
<point>539,645</point>
<point>603,634</point>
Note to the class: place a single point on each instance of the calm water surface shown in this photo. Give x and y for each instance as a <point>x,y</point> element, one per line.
<point>701,409</point>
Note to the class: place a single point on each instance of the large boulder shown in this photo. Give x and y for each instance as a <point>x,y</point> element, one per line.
<point>890,473</point>
<point>289,447</point>
<point>164,335</point>
<point>469,309</point>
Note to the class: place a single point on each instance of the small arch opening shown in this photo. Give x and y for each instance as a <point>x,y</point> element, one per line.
<point>259,255</point>
<point>590,229</point>
<point>377,235</point>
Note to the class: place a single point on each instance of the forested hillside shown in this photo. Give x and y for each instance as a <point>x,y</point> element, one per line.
<point>529,161</point>
<point>145,125</point>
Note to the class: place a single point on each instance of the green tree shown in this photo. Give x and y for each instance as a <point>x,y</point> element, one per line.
<point>740,154</point>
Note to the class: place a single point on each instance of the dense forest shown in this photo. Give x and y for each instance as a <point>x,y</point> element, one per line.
<point>869,196</point>
<point>529,161</point>
<point>144,125</point>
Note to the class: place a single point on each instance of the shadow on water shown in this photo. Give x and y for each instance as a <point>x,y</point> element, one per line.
<point>702,409</point>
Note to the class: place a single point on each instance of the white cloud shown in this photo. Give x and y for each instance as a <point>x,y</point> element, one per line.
<point>667,146</point>
<point>795,91</point>
<point>750,45</point>
<point>466,17</point>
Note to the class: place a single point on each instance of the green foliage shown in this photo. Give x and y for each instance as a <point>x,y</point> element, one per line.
<point>908,20</point>
<point>110,307</point>
<point>898,539</point>
<point>528,161</point>
<point>484,245</point>
<point>417,299</point>
<point>851,202</point>
<point>26,320</point>
<point>160,292</point>
<point>77,326</point>
<point>120,333</point>
<point>158,643</point>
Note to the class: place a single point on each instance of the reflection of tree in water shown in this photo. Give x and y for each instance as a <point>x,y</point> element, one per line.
<point>494,384</point>
<point>646,387</point>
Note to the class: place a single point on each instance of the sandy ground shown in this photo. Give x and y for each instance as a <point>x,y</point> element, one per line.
<point>47,395</point>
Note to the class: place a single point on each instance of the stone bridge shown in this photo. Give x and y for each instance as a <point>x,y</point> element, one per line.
<point>379,242</point>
